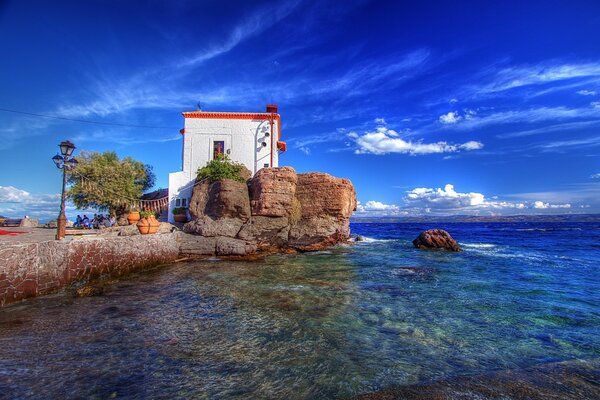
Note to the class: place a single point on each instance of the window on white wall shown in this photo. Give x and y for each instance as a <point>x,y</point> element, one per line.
<point>218,148</point>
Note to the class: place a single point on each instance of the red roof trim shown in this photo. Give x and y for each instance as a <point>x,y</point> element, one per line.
<point>228,115</point>
<point>235,115</point>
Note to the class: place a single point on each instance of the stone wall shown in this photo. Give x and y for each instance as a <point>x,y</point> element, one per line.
<point>33,269</point>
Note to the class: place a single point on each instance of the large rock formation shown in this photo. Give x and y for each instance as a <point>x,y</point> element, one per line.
<point>436,239</point>
<point>276,210</point>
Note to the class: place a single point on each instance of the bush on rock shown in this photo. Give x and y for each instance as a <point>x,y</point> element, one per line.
<point>222,168</point>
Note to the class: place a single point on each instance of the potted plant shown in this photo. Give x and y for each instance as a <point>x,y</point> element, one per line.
<point>133,216</point>
<point>148,223</point>
<point>180,214</point>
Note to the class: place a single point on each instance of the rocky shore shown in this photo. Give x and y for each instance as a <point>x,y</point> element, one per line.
<point>277,210</point>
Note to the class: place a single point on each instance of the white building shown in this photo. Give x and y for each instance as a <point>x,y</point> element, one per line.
<point>252,139</point>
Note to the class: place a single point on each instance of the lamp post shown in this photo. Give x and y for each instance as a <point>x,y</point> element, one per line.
<point>64,161</point>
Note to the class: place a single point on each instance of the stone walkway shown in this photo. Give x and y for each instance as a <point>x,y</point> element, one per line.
<point>37,235</point>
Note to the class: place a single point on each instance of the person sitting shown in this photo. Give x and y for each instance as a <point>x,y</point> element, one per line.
<point>85,222</point>
<point>94,222</point>
<point>78,222</point>
<point>100,221</point>
<point>107,222</point>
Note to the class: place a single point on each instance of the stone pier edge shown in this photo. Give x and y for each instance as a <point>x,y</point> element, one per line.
<point>35,269</point>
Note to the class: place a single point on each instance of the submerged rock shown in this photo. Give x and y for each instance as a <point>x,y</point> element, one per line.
<point>436,239</point>
<point>89,290</point>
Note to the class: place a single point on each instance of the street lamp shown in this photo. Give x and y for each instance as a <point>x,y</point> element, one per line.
<point>64,162</point>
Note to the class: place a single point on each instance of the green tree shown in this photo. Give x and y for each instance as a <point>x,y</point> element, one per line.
<point>107,183</point>
<point>221,168</point>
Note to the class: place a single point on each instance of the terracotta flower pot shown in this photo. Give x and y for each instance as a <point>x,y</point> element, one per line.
<point>133,217</point>
<point>148,225</point>
<point>180,217</point>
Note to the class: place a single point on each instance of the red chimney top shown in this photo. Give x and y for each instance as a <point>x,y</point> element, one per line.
<point>272,108</point>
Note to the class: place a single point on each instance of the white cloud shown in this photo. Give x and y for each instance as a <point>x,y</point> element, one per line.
<point>541,205</point>
<point>383,141</point>
<point>263,19</point>
<point>10,194</point>
<point>469,113</point>
<point>445,198</point>
<point>471,145</point>
<point>451,118</point>
<point>560,146</point>
<point>16,203</point>
<point>373,208</point>
<point>305,150</point>
<point>595,176</point>
<point>448,201</point>
<point>586,92</point>
<point>373,205</point>
<point>453,101</point>
<point>595,104</point>
<point>530,116</point>
<point>379,121</point>
<point>515,77</point>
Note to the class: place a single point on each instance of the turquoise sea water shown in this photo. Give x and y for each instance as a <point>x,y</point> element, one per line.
<point>355,319</point>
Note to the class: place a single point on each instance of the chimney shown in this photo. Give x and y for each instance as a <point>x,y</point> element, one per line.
<point>272,108</point>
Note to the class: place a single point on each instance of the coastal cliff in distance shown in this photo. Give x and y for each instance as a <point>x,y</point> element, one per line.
<point>277,210</point>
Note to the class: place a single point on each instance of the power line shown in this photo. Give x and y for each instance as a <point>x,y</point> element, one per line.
<point>84,120</point>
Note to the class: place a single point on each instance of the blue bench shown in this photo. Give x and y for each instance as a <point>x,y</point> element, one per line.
<point>12,222</point>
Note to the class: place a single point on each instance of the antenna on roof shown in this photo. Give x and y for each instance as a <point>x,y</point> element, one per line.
<point>199,106</point>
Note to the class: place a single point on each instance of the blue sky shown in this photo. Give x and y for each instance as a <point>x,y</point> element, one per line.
<point>429,108</point>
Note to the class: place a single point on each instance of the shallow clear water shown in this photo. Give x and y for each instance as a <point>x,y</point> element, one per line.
<point>351,320</point>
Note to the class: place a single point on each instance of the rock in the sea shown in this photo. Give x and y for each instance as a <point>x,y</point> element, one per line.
<point>199,199</point>
<point>228,199</point>
<point>225,198</point>
<point>194,245</point>
<point>272,192</point>
<point>233,247</point>
<point>326,204</point>
<point>212,227</point>
<point>278,210</point>
<point>436,239</point>
<point>266,231</point>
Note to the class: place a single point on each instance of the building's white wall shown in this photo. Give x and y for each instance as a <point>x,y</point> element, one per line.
<point>243,143</point>
<point>180,186</point>
<point>243,138</point>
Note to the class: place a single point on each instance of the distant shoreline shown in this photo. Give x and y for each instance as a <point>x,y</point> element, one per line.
<point>481,218</point>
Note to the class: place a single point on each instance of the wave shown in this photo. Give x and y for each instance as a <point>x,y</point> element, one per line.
<point>478,245</point>
<point>364,239</point>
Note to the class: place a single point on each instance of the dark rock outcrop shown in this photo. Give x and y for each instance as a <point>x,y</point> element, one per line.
<point>436,239</point>
<point>326,204</point>
<point>277,210</point>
